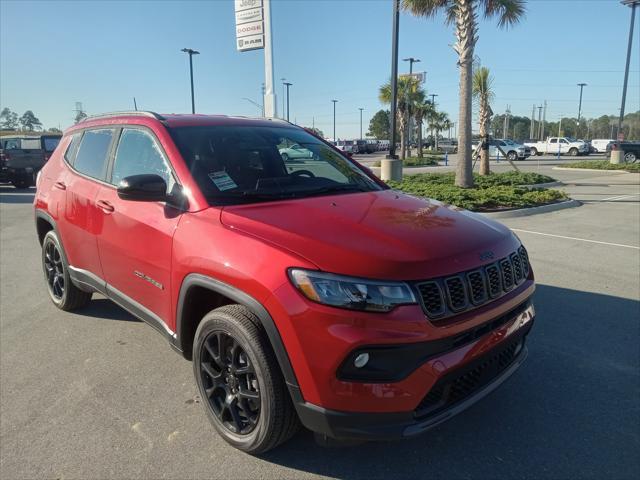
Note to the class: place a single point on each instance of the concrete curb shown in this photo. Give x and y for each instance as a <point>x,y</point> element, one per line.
<point>590,170</point>
<point>524,212</point>
<point>543,185</point>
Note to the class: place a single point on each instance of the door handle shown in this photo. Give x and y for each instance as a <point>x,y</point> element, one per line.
<point>105,206</point>
<point>60,185</point>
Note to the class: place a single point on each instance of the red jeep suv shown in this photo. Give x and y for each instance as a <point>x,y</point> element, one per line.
<point>303,289</point>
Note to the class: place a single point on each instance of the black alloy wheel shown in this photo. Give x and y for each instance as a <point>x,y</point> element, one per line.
<point>230,383</point>
<point>54,270</point>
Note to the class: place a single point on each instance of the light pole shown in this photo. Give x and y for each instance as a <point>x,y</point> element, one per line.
<point>633,4</point>
<point>391,166</point>
<point>361,109</point>
<point>283,99</point>
<point>334,120</point>
<point>191,53</point>
<point>581,85</point>
<point>288,84</point>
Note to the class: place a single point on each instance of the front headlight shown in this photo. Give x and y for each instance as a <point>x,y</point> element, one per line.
<point>349,292</point>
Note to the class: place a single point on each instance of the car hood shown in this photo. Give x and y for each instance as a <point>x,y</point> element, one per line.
<point>383,234</point>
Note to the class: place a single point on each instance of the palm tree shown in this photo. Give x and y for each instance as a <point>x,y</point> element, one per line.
<point>483,94</point>
<point>410,93</point>
<point>463,14</point>
<point>420,112</point>
<point>438,121</point>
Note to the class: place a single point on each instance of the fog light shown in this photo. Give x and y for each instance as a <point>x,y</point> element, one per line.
<point>361,360</point>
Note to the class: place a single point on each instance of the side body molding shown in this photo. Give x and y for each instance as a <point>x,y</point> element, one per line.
<point>241,298</point>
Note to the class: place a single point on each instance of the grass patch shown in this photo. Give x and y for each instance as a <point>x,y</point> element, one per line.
<point>604,165</point>
<point>497,191</point>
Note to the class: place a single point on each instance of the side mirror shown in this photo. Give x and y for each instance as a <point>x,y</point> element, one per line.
<point>143,188</point>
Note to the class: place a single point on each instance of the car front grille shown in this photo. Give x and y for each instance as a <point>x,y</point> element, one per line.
<point>446,296</point>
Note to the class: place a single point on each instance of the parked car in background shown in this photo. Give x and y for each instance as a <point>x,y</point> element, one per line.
<point>347,146</point>
<point>448,146</point>
<point>499,148</point>
<point>360,146</point>
<point>631,150</point>
<point>600,144</point>
<point>564,145</point>
<point>296,151</point>
<point>383,145</point>
<point>371,146</point>
<point>22,157</point>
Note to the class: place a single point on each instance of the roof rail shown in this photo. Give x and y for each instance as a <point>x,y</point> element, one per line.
<point>141,113</point>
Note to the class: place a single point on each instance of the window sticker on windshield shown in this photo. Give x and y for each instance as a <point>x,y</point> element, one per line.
<point>222,180</point>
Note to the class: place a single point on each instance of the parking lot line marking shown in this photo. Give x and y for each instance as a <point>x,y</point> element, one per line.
<point>575,238</point>
<point>619,197</point>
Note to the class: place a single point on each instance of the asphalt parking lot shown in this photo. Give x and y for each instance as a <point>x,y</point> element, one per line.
<point>97,394</point>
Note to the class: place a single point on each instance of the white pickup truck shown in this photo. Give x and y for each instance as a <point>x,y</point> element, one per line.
<point>565,145</point>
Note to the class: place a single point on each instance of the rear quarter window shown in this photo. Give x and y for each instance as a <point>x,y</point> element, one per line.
<point>72,148</point>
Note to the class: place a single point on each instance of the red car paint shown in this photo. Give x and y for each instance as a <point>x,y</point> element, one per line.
<point>376,235</point>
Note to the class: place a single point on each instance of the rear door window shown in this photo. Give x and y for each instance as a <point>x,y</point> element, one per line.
<point>92,153</point>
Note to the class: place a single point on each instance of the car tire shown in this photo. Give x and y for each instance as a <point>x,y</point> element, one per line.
<point>253,425</point>
<point>630,157</point>
<point>512,156</point>
<point>63,293</point>
<point>534,151</point>
<point>22,181</point>
<point>573,152</point>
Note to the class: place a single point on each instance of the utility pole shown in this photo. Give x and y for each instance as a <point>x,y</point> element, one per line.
<point>361,109</point>
<point>270,106</point>
<point>533,122</point>
<point>334,120</point>
<point>633,4</point>
<point>505,126</point>
<point>544,119</point>
<point>581,85</point>
<point>191,53</point>
<point>135,105</point>
<point>540,123</point>
<point>288,84</point>
<point>284,80</point>
<point>391,166</point>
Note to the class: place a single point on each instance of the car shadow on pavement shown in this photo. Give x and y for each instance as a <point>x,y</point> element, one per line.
<point>571,410</point>
<point>105,309</point>
<point>9,194</point>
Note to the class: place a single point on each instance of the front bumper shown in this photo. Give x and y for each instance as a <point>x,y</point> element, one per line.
<point>453,393</point>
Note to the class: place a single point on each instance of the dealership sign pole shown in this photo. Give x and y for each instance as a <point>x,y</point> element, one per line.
<point>253,31</point>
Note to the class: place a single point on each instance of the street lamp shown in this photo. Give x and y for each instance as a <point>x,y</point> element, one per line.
<point>411,61</point>
<point>288,84</point>
<point>581,85</point>
<point>361,109</point>
<point>433,104</point>
<point>334,120</point>
<point>633,4</point>
<point>191,53</point>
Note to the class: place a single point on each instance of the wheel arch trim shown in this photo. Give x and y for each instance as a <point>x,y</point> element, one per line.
<point>242,298</point>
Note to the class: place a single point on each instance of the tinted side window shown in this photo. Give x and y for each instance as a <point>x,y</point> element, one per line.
<point>92,154</point>
<point>70,154</point>
<point>139,153</point>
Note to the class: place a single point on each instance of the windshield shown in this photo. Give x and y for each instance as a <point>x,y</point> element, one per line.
<point>240,164</point>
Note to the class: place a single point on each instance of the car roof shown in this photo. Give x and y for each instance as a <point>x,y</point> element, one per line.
<point>178,120</point>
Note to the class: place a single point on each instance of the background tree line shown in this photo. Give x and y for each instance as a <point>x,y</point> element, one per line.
<point>28,122</point>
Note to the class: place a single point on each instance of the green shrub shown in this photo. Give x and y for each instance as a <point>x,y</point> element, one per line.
<point>492,192</point>
<point>604,165</point>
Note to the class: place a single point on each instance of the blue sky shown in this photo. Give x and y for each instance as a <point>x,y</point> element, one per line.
<point>103,53</point>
